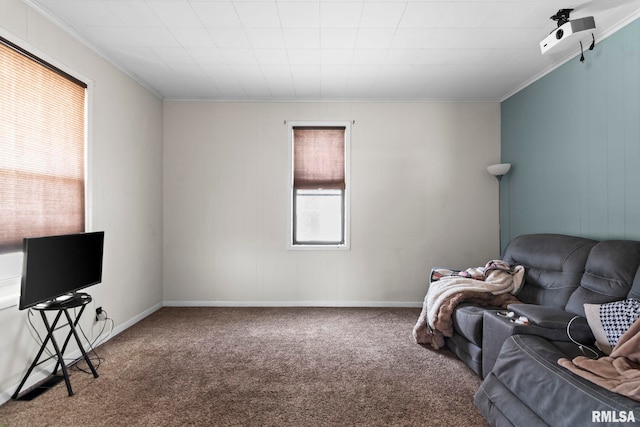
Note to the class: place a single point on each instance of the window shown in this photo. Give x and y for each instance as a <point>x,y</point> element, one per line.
<point>42,154</point>
<point>319,185</point>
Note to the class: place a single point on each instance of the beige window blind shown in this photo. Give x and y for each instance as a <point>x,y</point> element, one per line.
<point>42,135</point>
<point>318,158</point>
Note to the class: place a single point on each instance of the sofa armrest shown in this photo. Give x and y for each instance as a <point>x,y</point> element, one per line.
<point>551,323</point>
<point>544,322</point>
<point>550,317</point>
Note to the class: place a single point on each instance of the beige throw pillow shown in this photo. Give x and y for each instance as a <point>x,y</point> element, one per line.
<point>593,318</point>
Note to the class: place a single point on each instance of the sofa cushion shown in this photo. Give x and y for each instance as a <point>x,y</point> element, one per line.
<point>467,321</point>
<point>502,408</point>
<point>528,368</point>
<point>554,265</point>
<point>468,352</point>
<point>608,276</point>
<point>635,288</point>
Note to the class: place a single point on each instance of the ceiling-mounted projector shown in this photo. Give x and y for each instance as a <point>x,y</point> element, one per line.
<point>566,28</point>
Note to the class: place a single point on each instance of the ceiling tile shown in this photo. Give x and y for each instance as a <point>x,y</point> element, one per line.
<point>174,55</point>
<point>519,14</point>
<point>302,38</point>
<point>175,14</point>
<point>271,56</point>
<point>133,13</point>
<point>302,72</point>
<point>239,56</point>
<point>216,14</point>
<point>192,37</point>
<point>336,56</point>
<point>405,38</point>
<point>335,74</point>
<point>279,81</point>
<point>338,37</point>
<point>86,13</point>
<point>265,38</point>
<point>340,14</point>
<point>206,55</point>
<point>381,15</point>
<point>128,36</point>
<point>258,14</point>
<point>229,37</point>
<point>369,56</point>
<point>371,38</point>
<point>403,56</point>
<point>363,73</point>
<point>304,56</point>
<point>427,15</point>
<point>467,15</point>
<point>299,14</point>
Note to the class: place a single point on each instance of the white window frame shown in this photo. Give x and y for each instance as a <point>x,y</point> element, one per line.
<point>347,191</point>
<point>11,263</point>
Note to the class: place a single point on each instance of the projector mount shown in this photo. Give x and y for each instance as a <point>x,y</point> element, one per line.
<point>562,17</point>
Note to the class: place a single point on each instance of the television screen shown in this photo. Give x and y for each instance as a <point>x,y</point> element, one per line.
<point>54,266</point>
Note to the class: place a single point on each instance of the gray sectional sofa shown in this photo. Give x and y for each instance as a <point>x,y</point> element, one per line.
<point>523,383</point>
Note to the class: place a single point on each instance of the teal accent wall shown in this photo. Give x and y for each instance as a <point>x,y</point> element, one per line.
<point>573,139</point>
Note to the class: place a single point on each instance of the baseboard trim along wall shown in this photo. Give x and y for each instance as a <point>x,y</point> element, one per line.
<point>392,304</point>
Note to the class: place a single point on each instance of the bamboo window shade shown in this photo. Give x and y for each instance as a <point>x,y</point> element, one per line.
<point>42,135</point>
<point>318,158</point>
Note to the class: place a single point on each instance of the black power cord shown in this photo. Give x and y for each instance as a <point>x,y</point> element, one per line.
<point>582,347</point>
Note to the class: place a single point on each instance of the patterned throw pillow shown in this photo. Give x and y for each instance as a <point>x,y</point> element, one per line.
<point>617,317</point>
<point>609,321</point>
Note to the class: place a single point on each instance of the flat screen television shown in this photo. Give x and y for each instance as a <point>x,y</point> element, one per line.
<point>59,266</point>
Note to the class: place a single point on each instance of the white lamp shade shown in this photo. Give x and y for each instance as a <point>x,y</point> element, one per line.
<point>499,169</point>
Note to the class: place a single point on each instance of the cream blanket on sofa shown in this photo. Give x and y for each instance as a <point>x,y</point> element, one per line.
<point>494,284</point>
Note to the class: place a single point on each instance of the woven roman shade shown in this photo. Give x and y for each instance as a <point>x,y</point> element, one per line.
<point>318,158</point>
<point>42,134</point>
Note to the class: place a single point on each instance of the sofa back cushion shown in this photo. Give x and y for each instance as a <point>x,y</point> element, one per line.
<point>635,288</point>
<point>554,265</point>
<point>609,274</point>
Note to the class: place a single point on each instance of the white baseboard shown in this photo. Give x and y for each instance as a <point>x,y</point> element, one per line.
<point>129,323</point>
<point>399,304</point>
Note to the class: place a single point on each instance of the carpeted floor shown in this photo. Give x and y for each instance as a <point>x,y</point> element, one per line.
<point>263,367</point>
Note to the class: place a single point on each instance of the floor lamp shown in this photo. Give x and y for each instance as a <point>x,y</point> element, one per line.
<point>498,170</point>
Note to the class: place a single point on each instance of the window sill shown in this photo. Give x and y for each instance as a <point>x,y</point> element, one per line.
<point>318,247</point>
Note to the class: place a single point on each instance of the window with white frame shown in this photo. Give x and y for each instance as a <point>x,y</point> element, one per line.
<point>42,155</point>
<point>319,185</point>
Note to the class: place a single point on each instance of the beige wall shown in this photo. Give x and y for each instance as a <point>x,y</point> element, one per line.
<point>125,185</point>
<point>421,197</point>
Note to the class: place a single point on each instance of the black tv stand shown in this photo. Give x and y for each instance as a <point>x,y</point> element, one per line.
<point>61,305</point>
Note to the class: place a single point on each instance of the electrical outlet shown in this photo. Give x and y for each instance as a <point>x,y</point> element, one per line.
<point>100,314</point>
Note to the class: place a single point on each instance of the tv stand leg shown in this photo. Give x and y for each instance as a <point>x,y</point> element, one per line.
<point>75,334</point>
<point>58,352</point>
<point>50,331</point>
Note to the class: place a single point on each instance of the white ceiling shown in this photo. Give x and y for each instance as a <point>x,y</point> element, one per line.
<point>332,50</point>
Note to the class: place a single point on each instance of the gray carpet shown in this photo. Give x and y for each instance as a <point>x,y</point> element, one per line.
<point>263,367</point>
